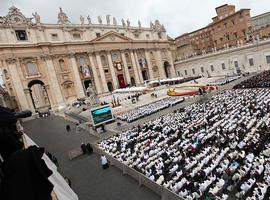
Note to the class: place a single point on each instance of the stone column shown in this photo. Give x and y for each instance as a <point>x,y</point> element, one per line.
<point>94,70</point>
<point>172,69</point>
<point>114,79</point>
<point>77,81</point>
<point>160,64</point>
<point>150,66</point>
<point>137,79</point>
<point>102,74</point>
<point>54,84</point>
<point>139,66</point>
<point>17,84</point>
<point>125,67</point>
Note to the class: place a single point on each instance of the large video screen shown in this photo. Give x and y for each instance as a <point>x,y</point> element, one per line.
<point>101,115</point>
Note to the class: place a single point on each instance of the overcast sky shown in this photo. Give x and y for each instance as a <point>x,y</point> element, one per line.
<point>178,16</point>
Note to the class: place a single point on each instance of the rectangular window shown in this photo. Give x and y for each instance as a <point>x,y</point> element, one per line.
<point>223,66</point>
<point>268,59</point>
<point>21,35</point>
<point>212,68</point>
<point>202,69</point>
<point>136,35</point>
<point>178,73</point>
<point>235,35</point>
<point>54,37</point>
<point>106,70</point>
<point>159,35</point>
<point>185,72</point>
<point>98,35</point>
<point>123,34</point>
<point>76,36</point>
<point>193,71</point>
<point>251,62</point>
<point>147,36</point>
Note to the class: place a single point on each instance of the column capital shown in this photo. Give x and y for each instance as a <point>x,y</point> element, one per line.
<point>46,57</point>
<point>11,61</point>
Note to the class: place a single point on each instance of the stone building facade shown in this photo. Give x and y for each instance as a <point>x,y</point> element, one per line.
<point>50,65</point>
<point>228,28</point>
<point>252,57</point>
<point>260,26</point>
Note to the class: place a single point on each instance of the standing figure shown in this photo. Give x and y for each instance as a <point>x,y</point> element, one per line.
<point>37,17</point>
<point>82,20</point>
<point>68,129</point>
<point>99,20</point>
<point>89,19</point>
<point>108,19</point>
<point>139,24</point>
<point>123,22</point>
<point>128,23</point>
<point>104,162</point>
<point>114,21</point>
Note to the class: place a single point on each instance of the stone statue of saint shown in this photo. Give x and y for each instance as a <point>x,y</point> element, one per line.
<point>128,23</point>
<point>108,19</point>
<point>82,20</point>
<point>139,24</point>
<point>62,17</point>
<point>114,21</point>
<point>152,26</point>
<point>123,22</point>
<point>89,19</point>
<point>37,17</point>
<point>99,20</point>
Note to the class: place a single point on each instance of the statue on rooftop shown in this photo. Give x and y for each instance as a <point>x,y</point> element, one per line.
<point>108,19</point>
<point>82,20</point>
<point>89,19</point>
<point>36,17</point>
<point>139,24</point>
<point>128,23</point>
<point>99,20</point>
<point>114,21</point>
<point>62,17</point>
<point>123,22</point>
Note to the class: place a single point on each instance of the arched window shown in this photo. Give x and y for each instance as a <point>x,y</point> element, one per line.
<point>127,57</point>
<point>103,60</point>
<point>82,61</point>
<point>31,69</point>
<point>62,65</point>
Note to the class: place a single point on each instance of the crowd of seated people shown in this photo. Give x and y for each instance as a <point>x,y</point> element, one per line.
<point>149,109</point>
<point>218,149</point>
<point>224,81</point>
<point>261,80</point>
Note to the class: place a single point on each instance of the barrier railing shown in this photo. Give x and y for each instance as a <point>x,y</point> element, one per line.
<point>164,193</point>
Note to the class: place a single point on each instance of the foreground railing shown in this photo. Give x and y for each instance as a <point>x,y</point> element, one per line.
<point>142,179</point>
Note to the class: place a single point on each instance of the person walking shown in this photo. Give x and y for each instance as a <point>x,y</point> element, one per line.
<point>104,162</point>
<point>77,128</point>
<point>68,129</point>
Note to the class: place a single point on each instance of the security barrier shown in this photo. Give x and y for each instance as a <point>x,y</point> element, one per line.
<point>142,179</point>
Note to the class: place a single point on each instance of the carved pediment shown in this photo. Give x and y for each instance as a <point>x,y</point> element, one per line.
<point>112,37</point>
<point>15,17</point>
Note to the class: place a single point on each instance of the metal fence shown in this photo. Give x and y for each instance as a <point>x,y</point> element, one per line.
<point>164,193</point>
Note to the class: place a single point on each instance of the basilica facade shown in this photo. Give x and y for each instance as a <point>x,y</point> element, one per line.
<point>49,65</point>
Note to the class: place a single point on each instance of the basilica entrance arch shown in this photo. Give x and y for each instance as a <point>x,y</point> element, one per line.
<point>39,95</point>
<point>167,69</point>
<point>145,75</point>
<point>110,86</point>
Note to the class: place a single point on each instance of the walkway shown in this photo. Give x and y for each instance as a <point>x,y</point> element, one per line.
<point>89,181</point>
